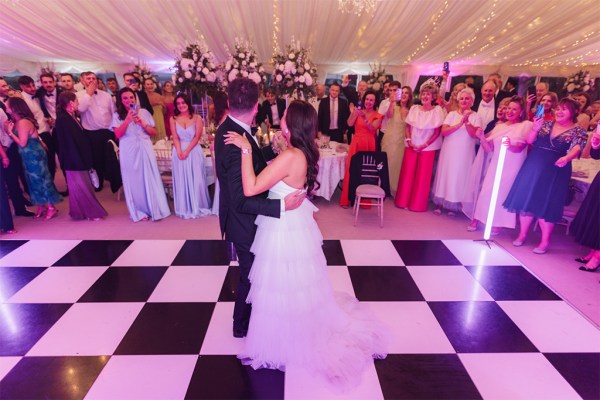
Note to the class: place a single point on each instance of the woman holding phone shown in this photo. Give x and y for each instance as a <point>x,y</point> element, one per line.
<point>144,191</point>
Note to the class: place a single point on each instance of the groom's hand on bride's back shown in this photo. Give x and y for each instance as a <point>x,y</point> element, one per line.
<point>294,199</point>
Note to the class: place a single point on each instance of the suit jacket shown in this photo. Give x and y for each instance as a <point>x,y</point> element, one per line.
<point>144,101</point>
<point>325,115</point>
<point>267,112</point>
<point>478,101</point>
<point>351,94</point>
<point>41,94</point>
<point>75,150</point>
<point>236,211</point>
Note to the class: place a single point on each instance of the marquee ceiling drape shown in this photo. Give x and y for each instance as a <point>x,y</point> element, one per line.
<point>554,37</point>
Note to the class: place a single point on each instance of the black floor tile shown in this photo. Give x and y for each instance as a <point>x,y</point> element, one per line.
<point>228,290</point>
<point>13,279</point>
<point>22,325</point>
<point>581,370</point>
<point>480,327</point>
<point>167,328</point>
<point>384,284</point>
<point>6,246</point>
<point>511,283</point>
<point>94,253</point>
<point>203,252</point>
<point>52,377</point>
<point>333,252</point>
<point>424,252</point>
<point>224,377</point>
<point>425,376</point>
<point>124,285</point>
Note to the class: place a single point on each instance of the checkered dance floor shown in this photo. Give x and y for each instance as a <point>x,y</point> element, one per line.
<point>152,319</point>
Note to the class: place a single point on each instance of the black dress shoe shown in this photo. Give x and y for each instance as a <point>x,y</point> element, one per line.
<point>586,269</point>
<point>581,260</point>
<point>25,213</point>
<point>240,333</point>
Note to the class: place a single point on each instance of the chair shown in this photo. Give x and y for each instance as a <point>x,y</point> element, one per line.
<point>165,167</point>
<point>370,187</point>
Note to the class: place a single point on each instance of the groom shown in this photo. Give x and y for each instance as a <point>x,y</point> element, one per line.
<point>236,211</point>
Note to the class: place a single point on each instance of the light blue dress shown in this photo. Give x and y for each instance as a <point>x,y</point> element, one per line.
<point>190,193</point>
<point>142,184</point>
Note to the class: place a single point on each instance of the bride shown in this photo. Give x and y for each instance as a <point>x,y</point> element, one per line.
<point>296,317</point>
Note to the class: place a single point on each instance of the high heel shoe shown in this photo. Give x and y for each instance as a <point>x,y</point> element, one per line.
<point>39,214</point>
<point>582,260</point>
<point>586,269</point>
<point>52,212</point>
<point>537,250</point>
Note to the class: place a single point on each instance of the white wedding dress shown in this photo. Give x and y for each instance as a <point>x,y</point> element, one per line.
<point>296,317</point>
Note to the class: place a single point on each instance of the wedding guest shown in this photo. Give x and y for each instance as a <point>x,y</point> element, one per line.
<point>135,84</point>
<point>595,115</point>
<point>452,103</point>
<point>6,221</point>
<point>333,115</point>
<point>366,122</point>
<point>67,82</point>
<point>540,188</point>
<point>29,93</point>
<point>423,126</point>
<point>511,87</point>
<point>353,97</point>
<point>541,88</point>
<point>384,105</point>
<point>158,105</point>
<point>515,129</point>
<point>549,102</point>
<point>190,191</point>
<point>479,168</point>
<point>113,87</point>
<point>272,110</point>
<point>584,100</point>
<point>393,140</point>
<point>168,92</point>
<point>487,105</point>
<point>142,184</point>
<point>101,85</point>
<point>96,108</point>
<point>585,227</point>
<point>221,107</point>
<point>75,155</point>
<point>319,95</point>
<point>42,191</point>
<point>456,155</point>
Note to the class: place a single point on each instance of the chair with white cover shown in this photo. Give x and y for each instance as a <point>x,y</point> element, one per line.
<point>370,187</point>
<point>165,167</point>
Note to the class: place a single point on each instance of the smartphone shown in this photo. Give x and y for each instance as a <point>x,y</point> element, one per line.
<point>134,107</point>
<point>398,94</point>
<point>446,67</point>
<point>539,112</point>
<point>531,90</point>
<point>359,105</point>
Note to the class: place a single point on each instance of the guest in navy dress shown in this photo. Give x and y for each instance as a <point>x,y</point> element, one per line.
<point>6,222</point>
<point>541,186</point>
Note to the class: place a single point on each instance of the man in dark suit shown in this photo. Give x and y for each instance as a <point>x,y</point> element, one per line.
<point>141,97</point>
<point>236,211</point>
<point>486,106</point>
<point>333,115</point>
<point>272,109</point>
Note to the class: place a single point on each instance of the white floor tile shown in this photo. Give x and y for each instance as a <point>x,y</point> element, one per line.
<point>515,376</point>
<point>553,326</point>
<point>190,284</point>
<point>478,253</point>
<point>302,384</point>
<point>444,283</point>
<point>370,253</point>
<point>38,253</point>
<point>91,329</point>
<point>149,253</point>
<point>340,279</point>
<point>58,285</point>
<point>6,364</point>
<point>144,377</point>
<point>219,336</point>
<point>414,327</point>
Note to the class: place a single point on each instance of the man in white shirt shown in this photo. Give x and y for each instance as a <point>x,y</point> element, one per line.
<point>383,108</point>
<point>67,82</point>
<point>487,106</point>
<point>29,91</point>
<point>96,108</point>
<point>320,94</point>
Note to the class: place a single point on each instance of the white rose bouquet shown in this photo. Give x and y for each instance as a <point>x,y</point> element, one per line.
<point>243,63</point>
<point>293,72</point>
<point>579,82</point>
<point>376,77</point>
<point>196,70</point>
<point>144,71</point>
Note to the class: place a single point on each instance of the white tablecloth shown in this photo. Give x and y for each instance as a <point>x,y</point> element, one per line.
<point>332,167</point>
<point>584,172</point>
<point>163,151</point>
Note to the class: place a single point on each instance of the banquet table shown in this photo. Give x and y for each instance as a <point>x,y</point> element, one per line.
<point>163,151</point>
<point>584,172</point>
<point>332,167</point>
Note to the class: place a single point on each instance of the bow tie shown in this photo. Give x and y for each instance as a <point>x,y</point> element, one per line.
<point>49,94</point>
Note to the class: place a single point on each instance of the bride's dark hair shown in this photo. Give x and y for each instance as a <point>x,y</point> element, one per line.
<point>301,121</point>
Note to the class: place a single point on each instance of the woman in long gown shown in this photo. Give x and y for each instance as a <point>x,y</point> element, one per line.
<point>158,106</point>
<point>143,187</point>
<point>424,123</point>
<point>457,154</point>
<point>541,186</point>
<point>190,193</point>
<point>366,123</point>
<point>42,191</point>
<point>169,102</point>
<point>395,133</point>
<point>296,319</point>
<point>6,221</point>
<point>515,129</point>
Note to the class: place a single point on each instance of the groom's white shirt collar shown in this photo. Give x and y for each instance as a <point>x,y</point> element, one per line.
<point>245,126</point>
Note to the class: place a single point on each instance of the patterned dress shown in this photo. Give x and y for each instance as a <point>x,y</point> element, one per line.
<point>35,162</point>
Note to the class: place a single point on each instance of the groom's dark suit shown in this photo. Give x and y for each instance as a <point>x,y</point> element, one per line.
<point>238,212</point>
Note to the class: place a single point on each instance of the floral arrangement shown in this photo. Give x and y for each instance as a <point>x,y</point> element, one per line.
<point>196,70</point>
<point>243,63</point>
<point>579,82</point>
<point>376,77</point>
<point>144,71</point>
<point>293,72</point>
